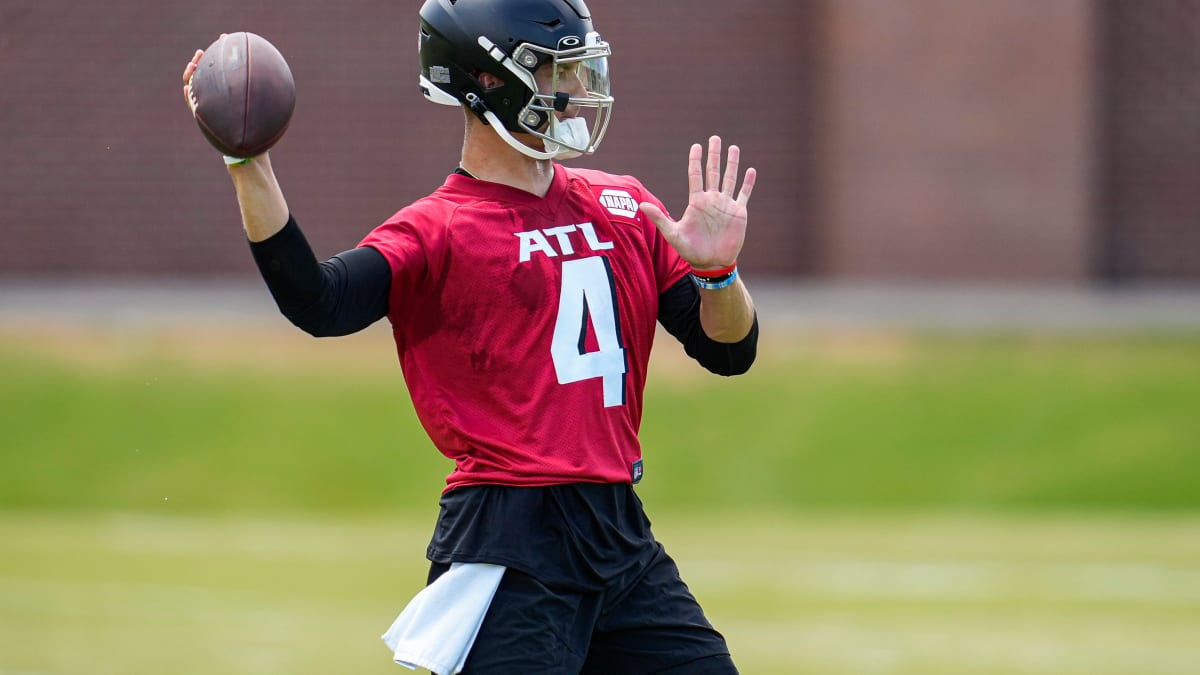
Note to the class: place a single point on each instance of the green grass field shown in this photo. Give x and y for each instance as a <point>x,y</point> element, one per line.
<point>919,595</point>
<point>259,502</point>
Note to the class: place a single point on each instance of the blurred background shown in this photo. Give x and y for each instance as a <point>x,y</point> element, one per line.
<point>970,444</point>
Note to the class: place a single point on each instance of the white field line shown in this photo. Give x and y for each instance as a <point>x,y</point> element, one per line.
<point>161,602</point>
<point>956,580</point>
<point>826,643</point>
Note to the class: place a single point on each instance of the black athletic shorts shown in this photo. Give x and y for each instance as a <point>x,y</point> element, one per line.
<point>599,597</point>
<point>648,623</point>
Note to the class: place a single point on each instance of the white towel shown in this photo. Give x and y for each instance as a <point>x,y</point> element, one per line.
<point>437,628</point>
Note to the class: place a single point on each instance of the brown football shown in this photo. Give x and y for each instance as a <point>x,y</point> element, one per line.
<point>243,94</point>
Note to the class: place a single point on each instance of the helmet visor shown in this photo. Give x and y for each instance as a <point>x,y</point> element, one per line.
<point>592,71</point>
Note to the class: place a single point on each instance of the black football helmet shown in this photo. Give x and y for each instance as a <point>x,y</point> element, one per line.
<point>512,39</point>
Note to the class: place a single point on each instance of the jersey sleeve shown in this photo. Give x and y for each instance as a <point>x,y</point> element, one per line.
<point>403,245</point>
<point>668,266</point>
<point>399,242</point>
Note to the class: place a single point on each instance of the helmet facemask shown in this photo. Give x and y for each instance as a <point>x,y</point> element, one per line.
<point>575,84</point>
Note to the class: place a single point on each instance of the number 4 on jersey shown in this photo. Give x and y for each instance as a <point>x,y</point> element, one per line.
<point>588,295</point>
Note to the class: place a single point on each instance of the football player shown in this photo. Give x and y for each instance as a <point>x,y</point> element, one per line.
<point>523,296</point>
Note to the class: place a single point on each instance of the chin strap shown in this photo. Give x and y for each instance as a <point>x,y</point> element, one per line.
<point>512,140</point>
<point>572,130</point>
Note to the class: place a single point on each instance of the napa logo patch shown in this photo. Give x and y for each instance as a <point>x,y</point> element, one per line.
<point>619,203</point>
<point>637,472</point>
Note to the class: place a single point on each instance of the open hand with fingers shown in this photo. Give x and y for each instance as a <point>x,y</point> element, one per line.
<point>713,227</point>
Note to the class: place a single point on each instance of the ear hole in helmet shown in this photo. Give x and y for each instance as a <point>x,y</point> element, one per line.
<point>487,80</point>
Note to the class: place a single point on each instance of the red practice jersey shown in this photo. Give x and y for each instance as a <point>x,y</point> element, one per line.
<point>524,324</point>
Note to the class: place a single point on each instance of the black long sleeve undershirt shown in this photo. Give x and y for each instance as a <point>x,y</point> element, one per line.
<point>349,292</point>
<point>342,295</point>
<point>679,314</point>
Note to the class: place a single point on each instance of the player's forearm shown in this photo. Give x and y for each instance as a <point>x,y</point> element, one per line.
<point>264,209</point>
<point>727,314</point>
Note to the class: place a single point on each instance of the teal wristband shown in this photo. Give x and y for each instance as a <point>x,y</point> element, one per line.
<point>716,283</point>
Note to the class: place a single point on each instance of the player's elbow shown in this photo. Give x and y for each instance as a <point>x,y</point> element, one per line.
<point>725,358</point>
<point>317,331</point>
<point>733,364</point>
<point>315,323</point>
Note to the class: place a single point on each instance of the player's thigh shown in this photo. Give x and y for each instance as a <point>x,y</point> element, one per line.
<point>531,629</point>
<point>657,626</point>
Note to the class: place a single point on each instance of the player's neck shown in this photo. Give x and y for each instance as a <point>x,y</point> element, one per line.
<point>487,157</point>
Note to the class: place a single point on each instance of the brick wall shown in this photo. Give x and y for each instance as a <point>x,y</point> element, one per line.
<point>955,140</point>
<point>1150,135</point>
<point>914,139</point>
<point>106,174</point>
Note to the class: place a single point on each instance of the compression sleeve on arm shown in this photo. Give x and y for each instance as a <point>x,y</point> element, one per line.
<point>679,313</point>
<point>340,296</point>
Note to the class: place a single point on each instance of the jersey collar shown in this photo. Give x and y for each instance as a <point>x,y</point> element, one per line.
<point>461,181</point>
